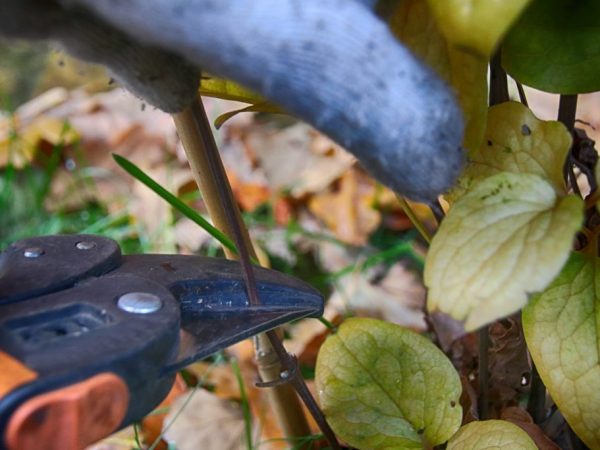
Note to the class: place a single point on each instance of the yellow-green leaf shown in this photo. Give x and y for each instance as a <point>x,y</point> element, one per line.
<point>474,24</point>
<point>505,238</point>
<point>382,386</point>
<point>516,141</point>
<point>414,25</point>
<point>562,330</point>
<point>228,90</point>
<point>491,435</point>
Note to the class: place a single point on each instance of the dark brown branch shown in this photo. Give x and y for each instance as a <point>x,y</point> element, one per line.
<point>498,82</point>
<point>536,405</point>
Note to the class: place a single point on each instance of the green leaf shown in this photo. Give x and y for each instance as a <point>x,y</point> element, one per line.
<point>518,142</point>
<point>554,46</point>
<point>413,23</point>
<point>505,238</point>
<point>184,209</point>
<point>491,435</point>
<point>382,386</point>
<point>227,90</point>
<point>474,24</point>
<point>562,330</point>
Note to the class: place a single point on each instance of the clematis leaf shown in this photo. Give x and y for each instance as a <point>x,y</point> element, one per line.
<point>507,237</point>
<point>383,386</point>
<point>518,142</point>
<point>562,329</point>
<point>476,25</point>
<point>491,435</point>
<point>554,46</point>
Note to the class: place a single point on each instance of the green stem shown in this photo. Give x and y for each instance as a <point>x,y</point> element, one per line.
<point>245,405</point>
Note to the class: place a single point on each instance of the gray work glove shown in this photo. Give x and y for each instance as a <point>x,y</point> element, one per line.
<point>332,63</point>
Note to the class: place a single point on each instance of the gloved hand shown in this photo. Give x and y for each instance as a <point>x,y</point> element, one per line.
<point>332,63</point>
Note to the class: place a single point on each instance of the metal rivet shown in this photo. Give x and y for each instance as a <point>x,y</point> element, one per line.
<point>139,302</point>
<point>33,252</point>
<point>285,374</point>
<point>85,245</point>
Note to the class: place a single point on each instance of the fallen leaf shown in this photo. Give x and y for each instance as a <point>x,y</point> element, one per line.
<point>290,161</point>
<point>398,298</point>
<point>348,211</point>
<point>200,419</point>
<point>491,435</point>
<point>121,440</point>
<point>561,327</point>
<point>508,363</point>
<point>509,236</point>
<point>381,386</point>
<point>152,424</point>
<point>248,195</point>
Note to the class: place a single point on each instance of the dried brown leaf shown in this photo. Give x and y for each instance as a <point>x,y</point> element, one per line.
<point>204,421</point>
<point>348,211</point>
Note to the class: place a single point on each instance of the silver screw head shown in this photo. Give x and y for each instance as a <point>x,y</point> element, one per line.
<point>85,245</point>
<point>33,252</point>
<point>139,302</point>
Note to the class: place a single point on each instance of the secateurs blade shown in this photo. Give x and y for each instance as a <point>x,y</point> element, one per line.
<point>90,340</point>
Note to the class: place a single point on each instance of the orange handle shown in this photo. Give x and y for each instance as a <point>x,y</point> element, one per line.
<point>69,418</point>
<point>13,373</point>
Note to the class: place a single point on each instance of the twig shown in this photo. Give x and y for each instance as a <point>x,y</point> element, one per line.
<point>498,82</point>
<point>201,149</point>
<point>522,95</point>
<point>567,108</point>
<point>484,376</point>
<point>498,94</point>
<point>536,406</point>
<point>437,211</point>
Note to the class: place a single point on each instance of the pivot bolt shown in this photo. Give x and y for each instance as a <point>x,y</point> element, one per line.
<point>139,302</point>
<point>33,252</point>
<point>85,245</point>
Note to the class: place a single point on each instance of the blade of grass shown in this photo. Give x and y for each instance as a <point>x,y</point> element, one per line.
<point>245,404</point>
<point>184,209</point>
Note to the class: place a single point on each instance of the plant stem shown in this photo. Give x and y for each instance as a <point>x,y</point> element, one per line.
<point>202,152</point>
<point>536,406</point>
<point>414,219</point>
<point>567,108</point>
<point>498,94</point>
<point>498,82</point>
<point>437,211</point>
<point>522,95</point>
<point>484,377</point>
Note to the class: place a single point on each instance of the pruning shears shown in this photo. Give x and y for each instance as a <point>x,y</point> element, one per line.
<point>90,340</point>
